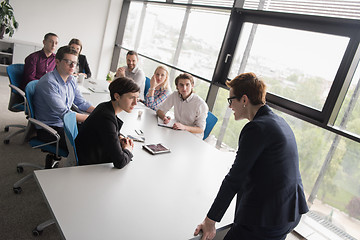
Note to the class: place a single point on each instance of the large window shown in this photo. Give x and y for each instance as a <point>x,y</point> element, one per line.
<point>334,194</point>
<point>309,63</point>
<point>295,64</point>
<point>160,32</point>
<point>176,35</point>
<point>201,47</point>
<point>132,24</point>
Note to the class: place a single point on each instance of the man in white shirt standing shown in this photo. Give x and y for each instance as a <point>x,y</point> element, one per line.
<point>133,71</point>
<point>190,110</point>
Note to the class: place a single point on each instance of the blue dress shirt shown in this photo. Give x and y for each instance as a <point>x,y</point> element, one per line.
<point>54,97</point>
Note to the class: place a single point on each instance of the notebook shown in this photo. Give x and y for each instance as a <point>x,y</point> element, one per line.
<point>98,90</point>
<point>156,148</point>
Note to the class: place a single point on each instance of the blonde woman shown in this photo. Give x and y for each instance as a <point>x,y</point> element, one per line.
<point>159,88</point>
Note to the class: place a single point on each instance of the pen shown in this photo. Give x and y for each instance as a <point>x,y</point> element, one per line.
<point>139,132</point>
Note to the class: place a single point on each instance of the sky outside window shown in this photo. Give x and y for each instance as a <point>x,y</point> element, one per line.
<point>295,64</point>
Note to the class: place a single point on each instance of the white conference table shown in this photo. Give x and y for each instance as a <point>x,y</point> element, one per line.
<point>98,93</point>
<point>154,197</point>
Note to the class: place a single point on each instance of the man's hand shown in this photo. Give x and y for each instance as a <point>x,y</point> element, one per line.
<point>80,117</point>
<point>120,72</point>
<point>179,126</point>
<point>207,227</point>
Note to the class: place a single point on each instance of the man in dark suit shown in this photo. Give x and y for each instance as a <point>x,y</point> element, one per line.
<point>265,175</point>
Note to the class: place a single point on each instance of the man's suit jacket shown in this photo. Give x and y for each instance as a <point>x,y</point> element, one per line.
<point>265,175</point>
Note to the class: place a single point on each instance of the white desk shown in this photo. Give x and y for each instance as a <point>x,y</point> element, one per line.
<point>99,95</point>
<point>153,197</point>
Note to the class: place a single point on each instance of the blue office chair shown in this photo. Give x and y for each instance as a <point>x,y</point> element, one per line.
<point>71,131</point>
<point>211,120</point>
<point>17,100</point>
<point>52,148</point>
<point>147,86</point>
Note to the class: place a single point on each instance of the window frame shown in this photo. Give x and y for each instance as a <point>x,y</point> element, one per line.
<point>328,25</point>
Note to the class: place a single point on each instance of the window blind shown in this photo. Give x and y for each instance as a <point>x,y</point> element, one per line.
<point>217,3</point>
<point>330,8</point>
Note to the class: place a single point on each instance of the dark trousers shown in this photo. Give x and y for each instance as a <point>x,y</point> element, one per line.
<point>45,136</point>
<point>242,232</point>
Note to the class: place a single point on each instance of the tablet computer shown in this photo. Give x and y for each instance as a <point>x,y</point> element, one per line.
<point>156,148</point>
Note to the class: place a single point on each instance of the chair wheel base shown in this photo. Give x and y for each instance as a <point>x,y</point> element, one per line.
<point>6,141</point>
<point>36,232</point>
<point>17,190</point>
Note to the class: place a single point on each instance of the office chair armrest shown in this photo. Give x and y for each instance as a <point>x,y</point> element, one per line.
<point>51,131</point>
<point>45,127</point>
<point>18,90</point>
<point>22,94</point>
<point>77,110</point>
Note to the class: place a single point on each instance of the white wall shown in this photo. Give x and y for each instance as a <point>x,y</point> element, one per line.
<point>94,22</point>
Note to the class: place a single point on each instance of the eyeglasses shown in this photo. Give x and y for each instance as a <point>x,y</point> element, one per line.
<point>230,99</point>
<point>69,62</point>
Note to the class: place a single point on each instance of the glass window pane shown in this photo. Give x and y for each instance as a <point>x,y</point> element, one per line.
<point>201,88</point>
<point>149,66</point>
<point>349,115</point>
<point>132,24</point>
<point>339,189</point>
<point>295,64</point>
<point>233,129</point>
<point>122,58</point>
<point>201,45</point>
<point>160,34</point>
